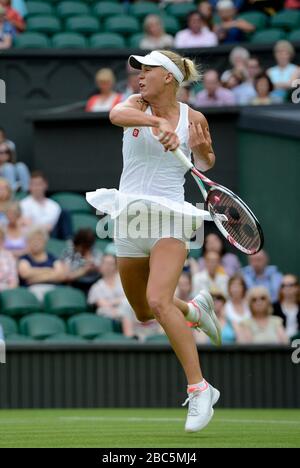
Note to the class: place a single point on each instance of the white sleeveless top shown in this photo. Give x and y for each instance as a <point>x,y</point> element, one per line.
<point>148,169</point>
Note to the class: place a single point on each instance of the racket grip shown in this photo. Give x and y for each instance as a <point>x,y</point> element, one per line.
<point>182,158</point>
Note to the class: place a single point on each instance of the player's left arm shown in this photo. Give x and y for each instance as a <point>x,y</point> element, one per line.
<point>200,141</point>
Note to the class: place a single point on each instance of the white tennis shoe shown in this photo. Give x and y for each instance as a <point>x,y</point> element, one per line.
<point>208,321</point>
<point>201,402</point>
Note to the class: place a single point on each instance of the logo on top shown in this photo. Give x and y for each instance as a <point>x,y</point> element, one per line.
<point>135,132</point>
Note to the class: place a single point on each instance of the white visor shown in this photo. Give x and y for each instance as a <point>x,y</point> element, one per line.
<point>156,59</point>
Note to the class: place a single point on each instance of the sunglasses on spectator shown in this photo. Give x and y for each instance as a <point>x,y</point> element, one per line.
<point>289,285</point>
<point>259,298</point>
<point>218,297</point>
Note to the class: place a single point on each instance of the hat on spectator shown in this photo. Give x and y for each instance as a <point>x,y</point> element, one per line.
<point>225,5</point>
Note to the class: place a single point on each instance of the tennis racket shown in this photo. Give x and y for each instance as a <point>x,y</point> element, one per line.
<point>231,215</point>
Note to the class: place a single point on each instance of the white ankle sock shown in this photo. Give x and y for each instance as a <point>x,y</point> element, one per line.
<point>193,315</point>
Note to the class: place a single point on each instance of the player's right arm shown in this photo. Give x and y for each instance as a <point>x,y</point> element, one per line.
<point>131,113</point>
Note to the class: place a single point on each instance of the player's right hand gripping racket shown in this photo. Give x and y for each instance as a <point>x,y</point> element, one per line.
<point>239,225</point>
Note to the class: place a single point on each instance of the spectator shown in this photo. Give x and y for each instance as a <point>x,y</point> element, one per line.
<point>234,80</point>
<point>211,277</point>
<point>17,174</point>
<point>231,30</point>
<point>245,92</point>
<point>131,86</point>
<point>15,239</point>
<point>230,263</point>
<point>184,93</point>
<point>20,6</point>
<point>39,270</point>
<point>155,36</point>
<point>36,208</point>
<point>282,73</point>
<point>133,328</point>
<point>8,266</point>
<point>288,305</point>
<point>13,16</point>
<point>238,59</point>
<point>207,13</point>
<point>185,287</point>
<point>236,307</point>
<point>82,259</point>
<point>213,93</point>
<point>262,327</point>
<point>7,31</point>
<point>107,98</point>
<point>292,5</point>
<point>107,294</point>
<point>238,4</point>
<point>10,144</point>
<point>259,273</point>
<point>227,326</point>
<point>196,34</point>
<point>5,199</point>
<point>264,87</point>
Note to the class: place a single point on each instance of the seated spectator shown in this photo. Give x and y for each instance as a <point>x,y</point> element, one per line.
<point>16,173</point>
<point>211,277</point>
<point>238,4</point>
<point>82,260</point>
<point>236,308</point>
<point>155,36</point>
<point>207,14</point>
<point>9,143</point>
<point>8,266</point>
<point>106,98</point>
<point>259,273</point>
<point>5,199</point>
<point>264,87</point>
<point>184,93</point>
<point>288,305</point>
<point>262,327</point>
<point>37,208</point>
<point>39,270</point>
<point>235,79</point>
<point>245,92</point>
<point>131,86</point>
<point>292,5</point>
<point>133,328</point>
<point>20,6</point>
<point>213,93</point>
<point>197,33</point>
<point>238,59</point>
<point>282,73</point>
<point>107,293</point>
<point>185,287</point>
<point>213,242</point>
<point>231,30</point>
<point>13,16</point>
<point>7,31</point>
<point>15,239</point>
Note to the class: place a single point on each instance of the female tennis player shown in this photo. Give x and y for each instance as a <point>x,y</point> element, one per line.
<point>154,125</point>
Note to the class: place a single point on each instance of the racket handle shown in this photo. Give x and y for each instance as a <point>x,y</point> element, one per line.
<point>182,158</point>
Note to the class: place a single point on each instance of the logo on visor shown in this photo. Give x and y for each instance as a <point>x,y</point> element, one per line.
<point>136,132</point>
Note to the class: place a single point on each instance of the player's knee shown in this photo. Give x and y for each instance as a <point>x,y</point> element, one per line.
<point>158,305</point>
<point>143,314</point>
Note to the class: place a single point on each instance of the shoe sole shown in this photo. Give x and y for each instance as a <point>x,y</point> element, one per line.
<point>213,316</point>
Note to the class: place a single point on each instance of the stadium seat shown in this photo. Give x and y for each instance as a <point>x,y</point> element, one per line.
<point>294,36</point>
<point>65,9</point>
<point>122,24</point>
<point>258,19</point>
<point>171,24</point>
<point>101,244</point>
<point>89,325</point>
<point>110,249</point>
<point>72,201</point>
<point>181,10</point>
<point>41,326</point>
<point>113,338</point>
<point>56,246</point>
<point>134,40</point>
<point>19,301</point>
<point>9,325</point>
<point>82,24</point>
<point>17,196</point>
<point>38,8</point>
<point>84,220</point>
<point>65,300</point>
<point>286,19</point>
<point>17,338</point>
<point>107,40</point>
<point>157,339</point>
<point>45,24</point>
<point>106,9</point>
<point>69,40</point>
<point>141,9</point>
<point>267,36</point>
<point>63,338</point>
<point>30,40</point>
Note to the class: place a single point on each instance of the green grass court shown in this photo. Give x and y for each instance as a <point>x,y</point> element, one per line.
<point>121,428</point>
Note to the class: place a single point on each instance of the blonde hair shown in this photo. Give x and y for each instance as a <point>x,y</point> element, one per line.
<point>188,67</point>
<point>283,44</point>
<point>14,205</point>
<point>105,74</point>
<point>37,230</point>
<point>150,18</point>
<point>8,187</point>
<point>259,290</point>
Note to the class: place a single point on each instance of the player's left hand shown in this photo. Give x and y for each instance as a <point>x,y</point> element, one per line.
<point>199,140</point>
